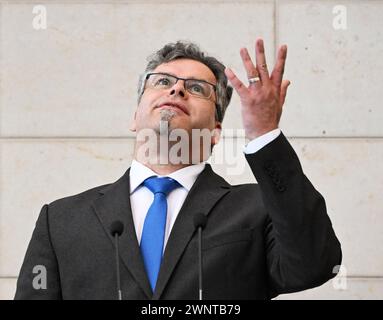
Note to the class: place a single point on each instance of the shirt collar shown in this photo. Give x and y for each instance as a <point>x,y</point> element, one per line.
<point>186,176</point>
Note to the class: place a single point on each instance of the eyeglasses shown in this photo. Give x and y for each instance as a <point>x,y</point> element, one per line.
<point>197,88</point>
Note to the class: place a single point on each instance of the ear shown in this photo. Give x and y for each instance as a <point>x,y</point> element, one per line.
<point>133,125</point>
<point>216,135</point>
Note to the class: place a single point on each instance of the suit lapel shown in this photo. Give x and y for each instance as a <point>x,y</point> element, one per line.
<point>114,205</point>
<point>206,191</point>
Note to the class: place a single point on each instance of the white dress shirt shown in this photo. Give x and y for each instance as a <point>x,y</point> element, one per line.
<point>141,197</point>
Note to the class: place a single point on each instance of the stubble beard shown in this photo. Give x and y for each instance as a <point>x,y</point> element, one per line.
<point>165,116</point>
<point>163,135</point>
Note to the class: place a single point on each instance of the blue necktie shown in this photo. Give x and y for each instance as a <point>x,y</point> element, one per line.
<point>152,240</point>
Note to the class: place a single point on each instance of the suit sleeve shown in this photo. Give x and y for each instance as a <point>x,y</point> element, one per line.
<point>302,248</point>
<point>39,274</point>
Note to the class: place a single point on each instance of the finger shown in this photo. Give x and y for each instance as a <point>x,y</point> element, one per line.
<point>236,83</point>
<point>250,68</point>
<point>277,74</point>
<point>261,61</point>
<point>285,84</point>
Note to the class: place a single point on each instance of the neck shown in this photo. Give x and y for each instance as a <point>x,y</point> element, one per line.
<point>163,162</point>
<point>163,169</point>
<point>164,156</point>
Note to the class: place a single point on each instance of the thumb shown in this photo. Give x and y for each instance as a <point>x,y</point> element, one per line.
<point>285,84</point>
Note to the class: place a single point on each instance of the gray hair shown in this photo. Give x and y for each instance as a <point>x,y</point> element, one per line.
<point>189,50</point>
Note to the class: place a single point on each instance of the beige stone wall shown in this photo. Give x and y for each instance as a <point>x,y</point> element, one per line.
<point>68,93</point>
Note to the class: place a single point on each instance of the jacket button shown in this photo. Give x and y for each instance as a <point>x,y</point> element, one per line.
<point>272,173</point>
<point>276,180</point>
<point>269,166</point>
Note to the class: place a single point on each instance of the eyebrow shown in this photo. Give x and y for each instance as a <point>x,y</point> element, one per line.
<point>193,78</point>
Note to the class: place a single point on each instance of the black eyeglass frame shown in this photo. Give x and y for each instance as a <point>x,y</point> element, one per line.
<point>184,79</point>
<point>217,109</point>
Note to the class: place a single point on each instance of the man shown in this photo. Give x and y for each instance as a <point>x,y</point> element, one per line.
<point>259,240</point>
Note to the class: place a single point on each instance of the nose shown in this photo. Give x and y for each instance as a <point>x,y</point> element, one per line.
<point>178,89</point>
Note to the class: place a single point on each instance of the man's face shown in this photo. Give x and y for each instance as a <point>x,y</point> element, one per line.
<point>197,113</point>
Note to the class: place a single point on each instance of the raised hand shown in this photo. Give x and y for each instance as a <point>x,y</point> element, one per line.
<point>262,99</point>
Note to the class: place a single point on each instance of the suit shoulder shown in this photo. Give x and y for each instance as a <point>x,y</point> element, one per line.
<point>79,199</point>
<point>251,187</point>
<point>250,192</point>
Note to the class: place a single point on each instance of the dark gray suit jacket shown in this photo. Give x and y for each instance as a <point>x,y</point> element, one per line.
<point>260,240</point>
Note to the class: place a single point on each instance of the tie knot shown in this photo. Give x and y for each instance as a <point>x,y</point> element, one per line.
<point>161,185</point>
